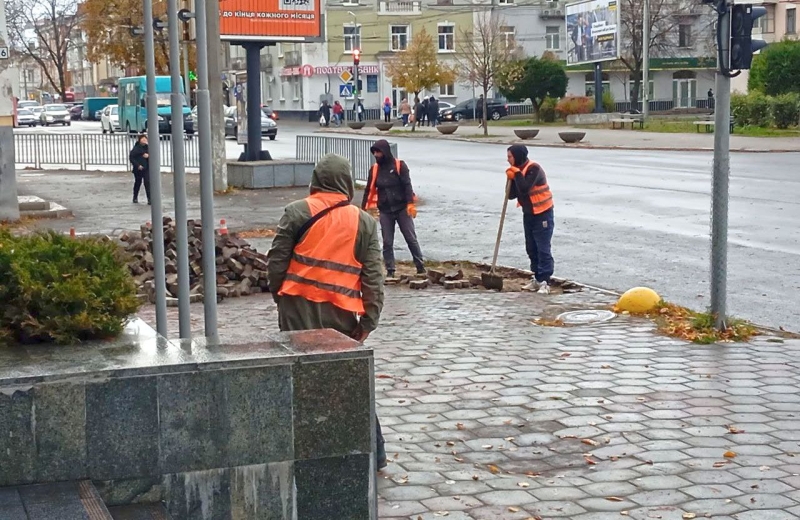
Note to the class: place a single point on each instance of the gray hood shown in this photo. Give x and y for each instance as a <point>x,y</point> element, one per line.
<point>332,175</point>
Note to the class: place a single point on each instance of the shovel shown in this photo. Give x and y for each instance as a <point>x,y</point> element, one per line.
<point>491,280</point>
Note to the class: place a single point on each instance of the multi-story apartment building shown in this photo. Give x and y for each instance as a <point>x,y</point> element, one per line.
<point>778,24</point>
<point>681,73</point>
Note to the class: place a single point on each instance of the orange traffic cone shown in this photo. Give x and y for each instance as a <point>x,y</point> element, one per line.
<point>223,227</point>
<point>72,232</point>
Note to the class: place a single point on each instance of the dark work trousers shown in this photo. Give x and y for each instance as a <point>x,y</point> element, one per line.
<point>381,443</point>
<point>538,235</point>
<point>141,176</point>
<point>387,117</point>
<point>406,223</point>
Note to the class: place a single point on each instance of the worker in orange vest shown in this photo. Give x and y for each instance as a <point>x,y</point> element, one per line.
<point>324,268</point>
<point>529,186</point>
<point>389,190</point>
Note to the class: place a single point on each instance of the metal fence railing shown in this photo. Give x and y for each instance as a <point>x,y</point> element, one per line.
<point>314,147</point>
<point>520,109</point>
<point>83,150</point>
<point>665,105</point>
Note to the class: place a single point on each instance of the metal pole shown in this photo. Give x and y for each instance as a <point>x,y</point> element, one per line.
<point>598,87</point>
<point>719,185</point>
<point>206,176</point>
<point>179,173</point>
<point>646,59</point>
<point>156,210</point>
<point>220,168</point>
<point>187,83</point>
<point>253,101</point>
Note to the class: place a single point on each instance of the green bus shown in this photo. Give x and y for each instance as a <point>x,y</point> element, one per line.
<point>133,106</point>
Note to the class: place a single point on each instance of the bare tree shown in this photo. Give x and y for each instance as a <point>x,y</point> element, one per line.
<point>666,17</point>
<point>42,30</point>
<point>483,54</point>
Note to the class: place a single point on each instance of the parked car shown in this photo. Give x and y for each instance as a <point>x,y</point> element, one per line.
<point>109,119</point>
<point>37,111</point>
<point>269,127</point>
<point>93,107</point>
<point>55,114</point>
<point>269,112</point>
<point>471,109</point>
<point>76,111</point>
<point>28,104</point>
<point>444,105</point>
<point>26,118</point>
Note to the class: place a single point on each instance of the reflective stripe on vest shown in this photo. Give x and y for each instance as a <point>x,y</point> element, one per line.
<point>372,198</point>
<point>541,197</point>
<point>323,266</point>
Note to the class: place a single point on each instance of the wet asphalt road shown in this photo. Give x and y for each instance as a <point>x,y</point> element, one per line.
<point>624,219</point>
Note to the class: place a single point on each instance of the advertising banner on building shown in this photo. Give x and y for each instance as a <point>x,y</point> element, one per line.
<point>270,20</point>
<point>593,28</point>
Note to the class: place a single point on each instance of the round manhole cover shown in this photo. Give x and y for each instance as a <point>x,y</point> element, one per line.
<point>585,317</point>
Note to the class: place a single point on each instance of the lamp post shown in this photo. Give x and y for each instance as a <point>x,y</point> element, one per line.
<point>356,60</point>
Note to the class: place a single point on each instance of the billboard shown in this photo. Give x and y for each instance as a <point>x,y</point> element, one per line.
<point>270,20</point>
<point>593,28</point>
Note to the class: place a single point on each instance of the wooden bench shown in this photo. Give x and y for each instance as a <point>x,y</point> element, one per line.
<point>709,124</point>
<point>628,118</point>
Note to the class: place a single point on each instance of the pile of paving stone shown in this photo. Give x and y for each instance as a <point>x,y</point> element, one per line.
<point>241,270</point>
<point>448,279</point>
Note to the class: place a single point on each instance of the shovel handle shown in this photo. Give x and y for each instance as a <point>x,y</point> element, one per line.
<point>502,221</point>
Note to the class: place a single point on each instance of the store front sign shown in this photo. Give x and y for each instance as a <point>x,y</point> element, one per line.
<point>308,71</point>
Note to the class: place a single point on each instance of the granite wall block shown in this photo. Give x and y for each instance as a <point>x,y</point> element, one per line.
<point>334,488</point>
<point>60,432</point>
<point>17,439</point>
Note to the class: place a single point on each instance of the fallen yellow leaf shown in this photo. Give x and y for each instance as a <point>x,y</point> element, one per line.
<point>729,455</point>
<point>689,516</point>
<point>514,509</point>
<point>494,469</point>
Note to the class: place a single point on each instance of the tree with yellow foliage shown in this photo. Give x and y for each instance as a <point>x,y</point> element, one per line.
<point>417,68</point>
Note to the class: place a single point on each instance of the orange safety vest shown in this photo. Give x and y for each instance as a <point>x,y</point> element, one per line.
<point>323,266</point>
<point>372,198</point>
<point>541,196</point>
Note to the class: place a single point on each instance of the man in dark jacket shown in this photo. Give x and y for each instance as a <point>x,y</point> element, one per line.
<point>331,186</point>
<point>140,161</point>
<point>529,186</point>
<point>325,111</point>
<point>389,190</point>
<point>433,111</point>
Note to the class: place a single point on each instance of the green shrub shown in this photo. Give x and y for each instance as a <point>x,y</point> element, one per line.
<point>64,290</point>
<point>547,112</point>
<point>609,104</point>
<point>754,109</point>
<point>571,105</point>
<point>786,110</point>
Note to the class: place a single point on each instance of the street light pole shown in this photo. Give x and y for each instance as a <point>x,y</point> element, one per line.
<point>646,59</point>
<point>356,46</point>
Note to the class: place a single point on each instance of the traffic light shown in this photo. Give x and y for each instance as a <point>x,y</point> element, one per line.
<point>356,56</point>
<point>742,44</point>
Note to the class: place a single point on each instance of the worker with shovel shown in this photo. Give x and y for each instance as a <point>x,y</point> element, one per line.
<point>527,183</point>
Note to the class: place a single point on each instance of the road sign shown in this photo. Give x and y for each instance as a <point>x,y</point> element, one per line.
<point>3,53</point>
<point>345,90</point>
<point>346,76</point>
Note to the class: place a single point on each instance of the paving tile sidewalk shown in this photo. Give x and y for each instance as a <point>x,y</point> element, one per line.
<point>488,416</point>
<point>596,138</point>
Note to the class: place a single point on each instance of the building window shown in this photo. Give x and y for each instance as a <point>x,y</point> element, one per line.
<point>509,35</point>
<point>284,86</point>
<point>791,21</point>
<point>505,2</point>
<point>631,83</point>
<point>553,38</point>
<point>372,83</point>
<point>352,38</point>
<point>399,37</point>
<point>684,88</point>
<point>447,37</point>
<point>684,35</point>
<point>590,83</point>
<point>448,90</point>
<point>279,49</point>
<point>767,22</point>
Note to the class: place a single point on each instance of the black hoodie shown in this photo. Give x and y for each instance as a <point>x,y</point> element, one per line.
<point>394,188</point>
<point>138,159</point>
<point>522,184</point>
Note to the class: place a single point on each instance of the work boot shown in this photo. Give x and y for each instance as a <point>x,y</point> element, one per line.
<point>390,274</point>
<point>544,288</point>
<point>381,458</point>
<point>533,286</point>
<point>421,269</point>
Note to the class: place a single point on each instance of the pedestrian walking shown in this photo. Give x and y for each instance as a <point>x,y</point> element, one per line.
<point>418,112</point>
<point>387,110</point>
<point>405,111</point>
<point>360,110</point>
<point>711,99</point>
<point>325,114</point>
<point>424,120</point>
<point>338,113</point>
<point>140,162</point>
<point>389,190</point>
<point>481,120</point>
<point>324,268</point>
<point>529,186</point>
<point>433,111</point>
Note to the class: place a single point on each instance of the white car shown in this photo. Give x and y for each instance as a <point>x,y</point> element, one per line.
<point>37,111</point>
<point>55,114</point>
<point>109,119</point>
<point>26,118</point>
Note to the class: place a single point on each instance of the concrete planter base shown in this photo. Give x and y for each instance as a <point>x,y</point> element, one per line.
<point>447,129</point>
<point>269,174</point>
<point>357,125</point>
<point>526,133</point>
<point>572,137</point>
<point>384,127</point>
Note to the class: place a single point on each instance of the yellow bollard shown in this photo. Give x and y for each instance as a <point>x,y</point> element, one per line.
<point>638,300</point>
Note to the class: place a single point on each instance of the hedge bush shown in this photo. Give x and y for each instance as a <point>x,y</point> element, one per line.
<point>757,109</point>
<point>609,105</point>
<point>547,112</point>
<point>63,290</point>
<point>571,105</point>
<point>786,110</point>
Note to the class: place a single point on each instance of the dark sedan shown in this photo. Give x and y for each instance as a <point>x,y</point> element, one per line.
<point>76,111</point>
<point>472,109</point>
<point>269,127</point>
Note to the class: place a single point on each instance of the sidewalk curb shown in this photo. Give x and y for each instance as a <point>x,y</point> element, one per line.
<point>531,143</point>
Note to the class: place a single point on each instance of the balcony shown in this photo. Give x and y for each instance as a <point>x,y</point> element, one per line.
<point>400,7</point>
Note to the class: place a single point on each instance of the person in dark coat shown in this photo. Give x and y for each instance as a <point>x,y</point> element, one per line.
<point>140,161</point>
<point>424,120</point>
<point>433,111</point>
<point>418,112</point>
<point>391,192</point>
<point>325,111</point>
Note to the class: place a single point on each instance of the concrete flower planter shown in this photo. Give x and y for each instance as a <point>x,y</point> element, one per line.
<point>571,137</point>
<point>526,133</point>
<point>447,129</point>
<point>384,127</point>
<point>357,125</point>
